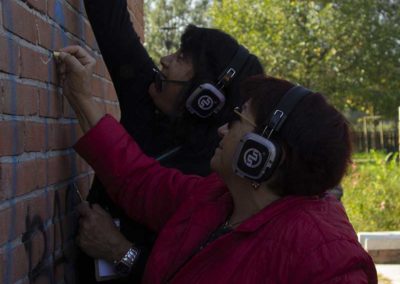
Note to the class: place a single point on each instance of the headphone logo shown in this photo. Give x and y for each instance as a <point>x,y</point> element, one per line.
<point>205,102</point>
<point>252,158</point>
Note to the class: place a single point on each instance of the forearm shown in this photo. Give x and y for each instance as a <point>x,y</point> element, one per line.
<point>88,113</point>
<point>139,185</point>
<point>126,59</point>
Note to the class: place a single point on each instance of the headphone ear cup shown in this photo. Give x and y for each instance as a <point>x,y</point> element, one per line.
<point>256,157</point>
<point>205,100</point>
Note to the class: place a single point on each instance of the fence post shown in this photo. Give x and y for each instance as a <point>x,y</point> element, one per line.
<point>365,130</point>
<point>398,133</point>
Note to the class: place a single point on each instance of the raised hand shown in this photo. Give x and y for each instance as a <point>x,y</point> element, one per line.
<point>75,69</point>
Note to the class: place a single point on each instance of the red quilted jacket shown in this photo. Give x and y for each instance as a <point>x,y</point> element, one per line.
<point>293,240</point>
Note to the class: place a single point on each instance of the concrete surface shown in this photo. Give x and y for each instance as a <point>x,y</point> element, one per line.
<point>390,271</point>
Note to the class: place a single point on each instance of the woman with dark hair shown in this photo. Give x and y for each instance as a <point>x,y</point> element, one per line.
<point>154,102</point>
<point>263,217</point>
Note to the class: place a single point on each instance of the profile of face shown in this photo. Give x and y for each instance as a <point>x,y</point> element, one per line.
<point>176,67</point>
<point>231,133</point>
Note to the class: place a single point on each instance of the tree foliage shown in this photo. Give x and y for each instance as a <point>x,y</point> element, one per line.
<point>165,20</point>
<point>347,50</point>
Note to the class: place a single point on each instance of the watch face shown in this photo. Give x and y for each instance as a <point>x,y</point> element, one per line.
<point>122,268</point>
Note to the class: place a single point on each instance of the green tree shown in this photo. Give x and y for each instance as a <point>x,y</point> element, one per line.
<point>165,20</point>
<point>347,50</point>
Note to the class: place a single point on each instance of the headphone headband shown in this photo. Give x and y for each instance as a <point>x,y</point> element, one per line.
<point>257,156</point>
<point>283,109</point>
<point>234,67</point>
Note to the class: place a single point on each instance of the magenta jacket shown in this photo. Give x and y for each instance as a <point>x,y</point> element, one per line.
<point>293,240</point>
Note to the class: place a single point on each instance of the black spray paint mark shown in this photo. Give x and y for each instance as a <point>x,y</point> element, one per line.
<point>35,225</point>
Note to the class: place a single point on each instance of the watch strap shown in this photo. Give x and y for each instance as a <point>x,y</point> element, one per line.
<point>126,263</point>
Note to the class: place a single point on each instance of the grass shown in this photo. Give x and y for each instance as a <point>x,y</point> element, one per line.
<point>383,280</point>
<point>372,192</point>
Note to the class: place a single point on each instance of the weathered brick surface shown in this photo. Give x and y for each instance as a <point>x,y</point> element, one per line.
<point>39,173</point>
<point>11,138</point>
<point>18,99</point>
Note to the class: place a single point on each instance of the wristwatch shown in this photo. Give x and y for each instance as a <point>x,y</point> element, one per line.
<point>126,263</point>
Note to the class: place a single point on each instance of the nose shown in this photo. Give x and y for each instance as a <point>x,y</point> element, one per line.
<point>165,60</point>
<point>223,130</point>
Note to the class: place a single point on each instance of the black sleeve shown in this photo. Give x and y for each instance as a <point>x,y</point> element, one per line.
<point>131,70</point>
<point>123,53</point>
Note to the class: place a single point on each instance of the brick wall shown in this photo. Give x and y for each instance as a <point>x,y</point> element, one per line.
<point>39,172</point>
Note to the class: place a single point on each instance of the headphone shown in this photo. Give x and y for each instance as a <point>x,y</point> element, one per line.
<point>208,98</point>
<point>257,156</point>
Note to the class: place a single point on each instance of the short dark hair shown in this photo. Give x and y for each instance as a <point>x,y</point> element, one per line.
<point>211,50</point>
<point>316,138</point>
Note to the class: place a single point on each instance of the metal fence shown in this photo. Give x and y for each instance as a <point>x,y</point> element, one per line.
<point>385,140</point>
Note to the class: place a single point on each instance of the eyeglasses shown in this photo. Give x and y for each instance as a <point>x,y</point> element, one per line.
<point>238,111</point>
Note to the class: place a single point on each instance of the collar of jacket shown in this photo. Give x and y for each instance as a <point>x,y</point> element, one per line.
<point>274,209</point>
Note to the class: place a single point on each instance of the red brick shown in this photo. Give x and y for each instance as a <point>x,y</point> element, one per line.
<point>35,137</point>
<point>29,176</point>
<point>41,172</point>
<point>59,198</point>
<point>59,168</point>
<point>50,103</point>
<point>10,219</point>
<point>60,136</point>
<point>2,265</point>
<point>90,38</point>
<point>45,33</point>
<point>27,61</point>
<point>5,223</point>
<point>77,5</point>
<point>18,99</point>
<point>5,217</point>
<point>40,206</point>
<point>73,21</point>
<point>61,39</point>
<point>33,66</point>
<point>11,138</point>
<point>39,5</point>
<point>9,62</point>
<point>4,56</point>
<point>50,37</point>
<point>19,262</point>
<point>13,13</point>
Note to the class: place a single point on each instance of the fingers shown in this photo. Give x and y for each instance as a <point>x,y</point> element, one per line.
<point>97,208</point>
<point>81,54</point>
<point>84,209</point>
<point>71,62</point>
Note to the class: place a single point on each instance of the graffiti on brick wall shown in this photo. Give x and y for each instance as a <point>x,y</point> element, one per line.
<point>47,240</point>
<point>65,229</point>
